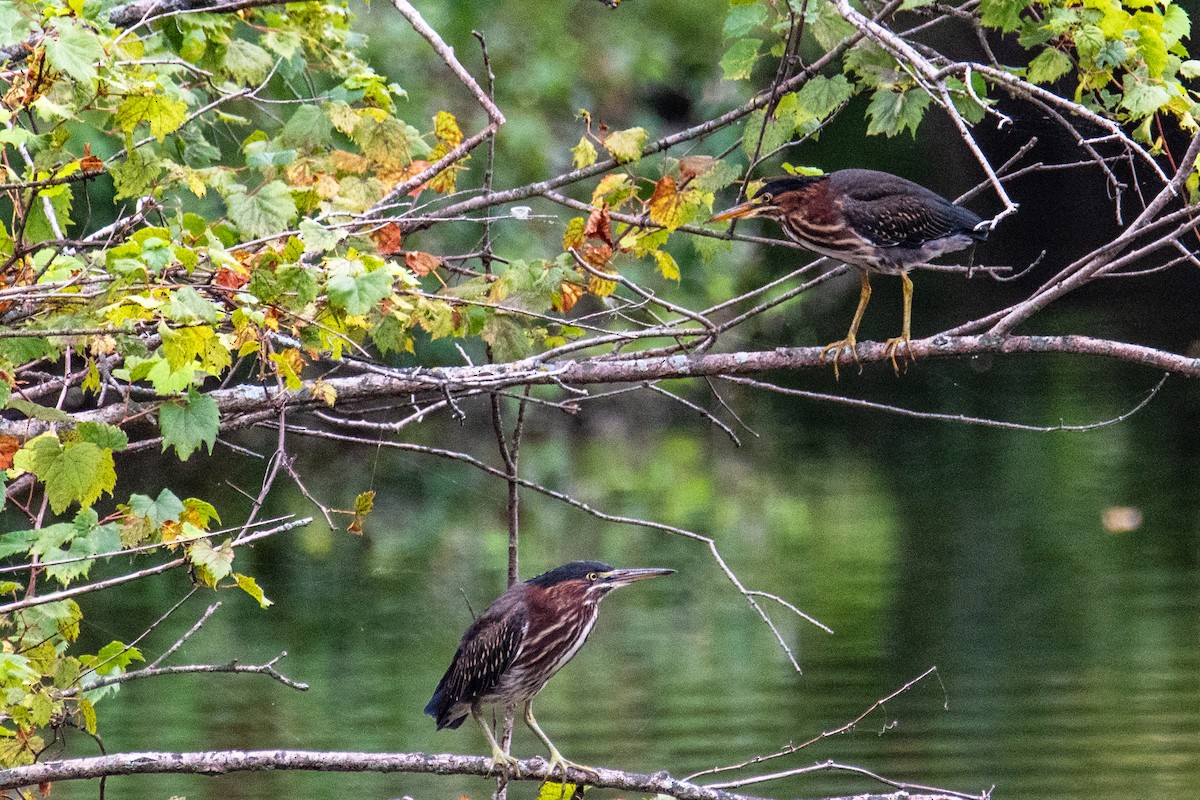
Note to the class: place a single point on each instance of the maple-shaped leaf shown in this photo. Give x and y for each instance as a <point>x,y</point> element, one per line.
<point>666,207</point>
<point>75,50</point>
<point>626,145</point>
<point>583,154</point>
<point>266,212</point>
<point>363,504</point>
<point>163,114</point>
<point>211,563</point>
<point>186,424</point>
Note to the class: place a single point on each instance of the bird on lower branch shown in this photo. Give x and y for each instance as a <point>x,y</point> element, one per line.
<point>871,220</point>
<point>529,633</point>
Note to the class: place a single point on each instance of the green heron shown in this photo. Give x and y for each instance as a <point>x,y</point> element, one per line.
<point>871,220</point>
<point>529,633</point>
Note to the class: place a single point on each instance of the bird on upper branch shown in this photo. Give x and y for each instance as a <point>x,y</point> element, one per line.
<point>529,633</point>
<point>871,220</point>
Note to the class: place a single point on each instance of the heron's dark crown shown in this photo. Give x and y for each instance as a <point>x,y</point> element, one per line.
<point>576,570</point>
<point>792,183</point>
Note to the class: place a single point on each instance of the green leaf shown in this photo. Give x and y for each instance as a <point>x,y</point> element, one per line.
<point>308,129</point>
<point>626,145</point>
<point>136,175</point>
<point>1002,14</point>
<point>163,114</point>
<point>251,587</point>
<point>1050,65</point>
<point>75,50</point>
<point>739,59</point>
<point>1142,98</point>
<point>358,294</point>
<point>212,563</point>
<point>35,411</point>
<point>319,239</point>
<point>891,112</point>
<point>73,472</point>
<point>164,508</point>
<point>741,19</point>
<point>246,62</point>
<point>822,96</point>
<point>776,134</point>
<point>113,659</point>
<point>103,435</point>
<point>266,212</point>
<point>188,424</point>
<point>557,791</point>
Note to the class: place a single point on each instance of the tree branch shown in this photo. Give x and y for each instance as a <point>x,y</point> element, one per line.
<point>223,762</point>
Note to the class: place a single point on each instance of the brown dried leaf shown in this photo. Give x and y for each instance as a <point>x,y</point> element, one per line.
<point>9,445</point>
<point>421,264</point>
<point>231,279</point>
<point>599,226</point>
<point>388,239</point>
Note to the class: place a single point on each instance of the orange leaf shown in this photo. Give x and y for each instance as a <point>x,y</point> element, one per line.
<point>231,279</point>
<point>599,226</point>
<point>387,239</point>
<point>570,295</point>
<point>9,445</point>
<point>421,264</point>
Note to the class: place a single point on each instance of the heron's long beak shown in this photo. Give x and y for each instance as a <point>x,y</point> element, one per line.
<point>750,208</point>
<point>623,577</point>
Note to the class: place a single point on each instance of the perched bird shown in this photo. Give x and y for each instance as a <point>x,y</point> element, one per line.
<point>871,220</point>
<point>529,633</point>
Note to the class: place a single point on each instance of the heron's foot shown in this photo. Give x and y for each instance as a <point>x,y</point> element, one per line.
<point>557,762</point>
<point>508,764</point>
<point>893,344</point>
<point>849,343</point>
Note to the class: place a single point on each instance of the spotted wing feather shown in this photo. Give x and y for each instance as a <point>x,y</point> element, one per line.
<point>488,649</point>
<point>893,212</point>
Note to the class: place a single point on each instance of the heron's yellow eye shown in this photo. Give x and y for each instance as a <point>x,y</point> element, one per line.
<point>592,577</point>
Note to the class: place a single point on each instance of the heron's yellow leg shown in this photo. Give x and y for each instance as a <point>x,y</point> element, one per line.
<point>556,758</point>
<point>501,759</point>
<point>864,297</point>
<point>905,337</point>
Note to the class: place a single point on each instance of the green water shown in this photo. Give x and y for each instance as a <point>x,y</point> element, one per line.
<point>1067,656</point>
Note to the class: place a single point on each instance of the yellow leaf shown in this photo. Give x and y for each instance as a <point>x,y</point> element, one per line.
<point>667,265</point>
<point>288,365</point>
<point>445,128</point>
<point>327,394</point>
<point>665,206</point>
<point>583,154</point>
<point>626,145</point>
<point>573,236</point>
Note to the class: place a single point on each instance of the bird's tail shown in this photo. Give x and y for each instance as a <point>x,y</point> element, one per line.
<point>442,708</point>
